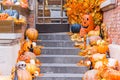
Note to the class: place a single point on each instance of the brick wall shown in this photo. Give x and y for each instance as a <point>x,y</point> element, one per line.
<point>31,19</point>
<point>112,20</point>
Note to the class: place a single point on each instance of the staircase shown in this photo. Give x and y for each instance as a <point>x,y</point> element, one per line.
<point>59,58</point>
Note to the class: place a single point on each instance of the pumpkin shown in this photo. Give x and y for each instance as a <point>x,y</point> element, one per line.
<point>23,75</point>
<point>7,2</point>
<point>87,24</point>
<point>26,45</point>
<point>9,18</point>
<point>91,75</point>
<point>32,34</point>
<point>32,68</point>
<point>94,33</point>
<point>93,39</point>
<point>30,54</point>
<point>98,65</point>
<point>3,16</point>
<point>24,3</point>
<point>37,61</point>
<point>75,28</point>
<point>36,50</point>
<point>102,48</point>
<point>98,57</point>
<point>111,74</point>
<point>24,58</point>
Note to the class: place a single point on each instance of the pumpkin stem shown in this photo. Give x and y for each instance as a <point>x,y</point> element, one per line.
<point>25,37</point>
<point>107,55</point>
<point>31,48</point>
<point>91,66</point>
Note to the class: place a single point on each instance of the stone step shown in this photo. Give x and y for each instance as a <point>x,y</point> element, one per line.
<point>60,51</point>
<point>54,36</point>
<point>60,58</point>
<point>60,76</point>
<point>56,43</point>
<point>62,68</point>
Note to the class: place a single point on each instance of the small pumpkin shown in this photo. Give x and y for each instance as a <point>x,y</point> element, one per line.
<point>9,18</point>
<point>31,68</point>
<point>93,33</point>
<point>94,39</point>
<point>36,50</point>
<point>24,58</point>
<point>102,46</point>
<point>37,61</point>
<point>32,34</point>
<point>75,28</point>
<point>26,45</point>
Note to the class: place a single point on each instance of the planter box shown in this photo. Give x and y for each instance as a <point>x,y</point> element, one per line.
<point>108,4</point>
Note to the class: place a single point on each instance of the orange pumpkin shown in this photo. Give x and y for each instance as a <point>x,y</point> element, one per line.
<point>24,58</point>
<point>36,50</point>
<point>87,24</point>
<point>32,34</point>
<point>23,75</point>
<point>102,48</point>
<point>26,45</point>
<point>111,74</point>
<point>32,68</point>
<point>37,61</point>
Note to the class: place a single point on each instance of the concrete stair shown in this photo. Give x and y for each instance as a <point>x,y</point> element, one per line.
<point>56,43</point>
<point>60,51</point>
<point>59,58</point>
<point>54,36</point>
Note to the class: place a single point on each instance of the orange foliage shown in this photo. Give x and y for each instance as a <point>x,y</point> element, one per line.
<point>76,8</point>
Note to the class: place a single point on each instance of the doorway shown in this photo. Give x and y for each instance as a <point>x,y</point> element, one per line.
<point>51,16</point>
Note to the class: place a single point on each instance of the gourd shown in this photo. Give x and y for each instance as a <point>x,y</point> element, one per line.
<point>36,50</point>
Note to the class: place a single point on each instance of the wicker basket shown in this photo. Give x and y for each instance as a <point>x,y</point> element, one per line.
<point>6,26</point>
